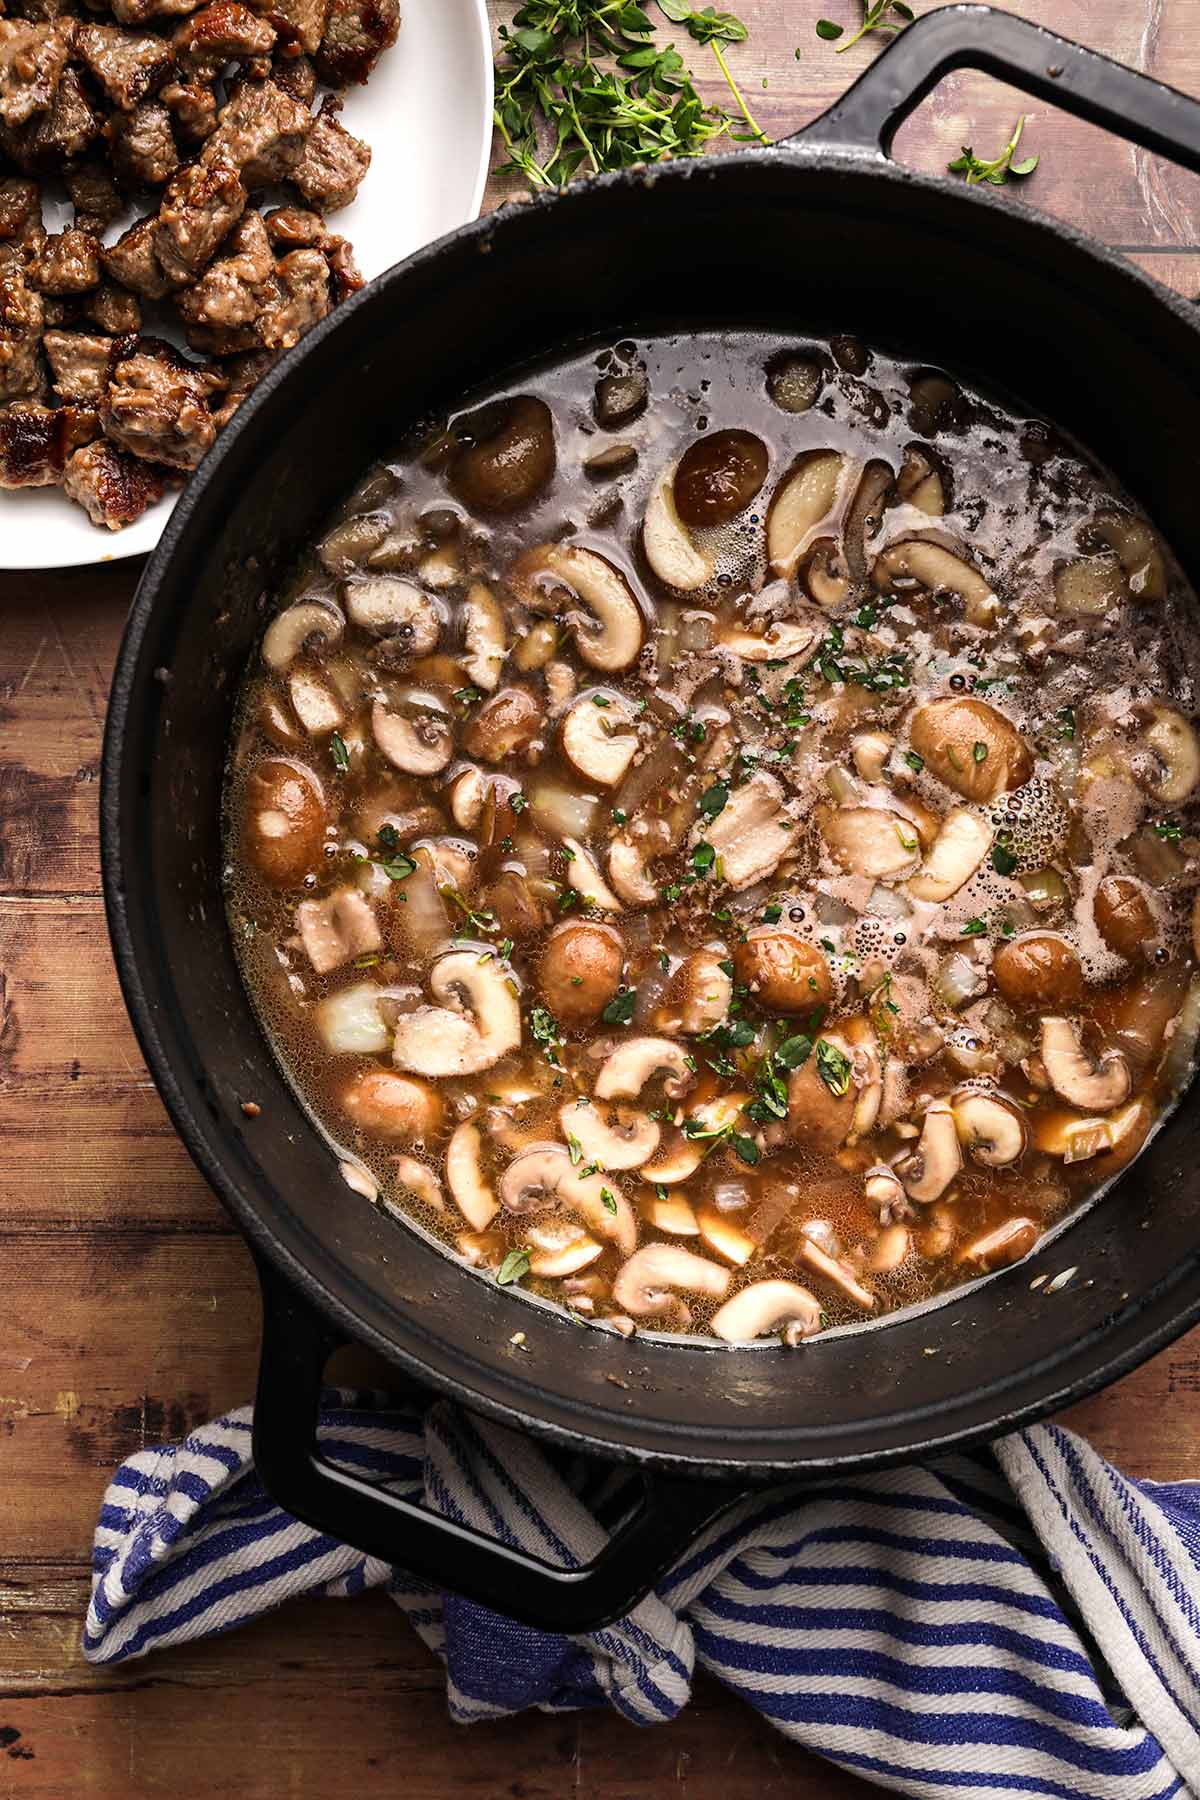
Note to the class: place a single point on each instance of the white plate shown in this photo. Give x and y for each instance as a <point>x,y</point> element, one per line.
<point>427,115</point>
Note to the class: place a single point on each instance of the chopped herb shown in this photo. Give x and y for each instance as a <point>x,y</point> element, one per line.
<point>609,1200</point>
<point>398,868</point>
<point>829,945</point>
<point>575,1148</point>
<point>916,763</point>
<point>664,962</point>
<point>601,700</point>
<point>876,17</point>
<point>833,1066</point>
<point>772,914</point>
<point>518,801</point>
<point>953,758</point>
<point>794,1051</point>
<point>619,817</point>
<point>619,1010</point>
<point>1004,858</point>
<point>544,1027</point>
<point>744,1147</point>
<point>703,857</point>
<point>341,756</point>
<point>514,1268</point>
<point>726,967</point>
<point>389,838</point>
<point>908,843</point>
<point>975,928</point>
<point>1000,168</point>
<point>567,899</point>
<point>1168,831</point>
<point>468,695</point>
<point>979,751</point>
<point>660,1192</point>
<point>714,799</point>
<point>1066,724</point>
<point>671,892</point>
<point>368,961</point>
<point>506,949</point>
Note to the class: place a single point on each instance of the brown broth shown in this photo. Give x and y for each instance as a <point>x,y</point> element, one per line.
<point>1086,803</point>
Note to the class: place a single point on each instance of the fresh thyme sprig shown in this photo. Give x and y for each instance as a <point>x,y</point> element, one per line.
<point>999,170</point>
<point>877,16</point>
<point>583,86</point>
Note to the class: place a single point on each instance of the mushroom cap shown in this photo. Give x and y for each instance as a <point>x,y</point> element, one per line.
<point>417,746</point>
<point>645,1284</point>
<point>718,476</point>
<point>599,737</point>
<point>389,1105</point>
<point>450,1040</point>
<point>1038,968</point>
<point>666,544</point>
<point>580,970</point>
<point>308,622</point>
<point>960,846</point>
<point>970,747</point>
<point>783,970</point>
<point>283,819</point>
<point>766,1307</point>
<point>1174,764</point>
<point>628,1068</point>
<point>627,1144</point>
<point>802,501</point>
<point>473,1193</point>
<point>1092,1086</point>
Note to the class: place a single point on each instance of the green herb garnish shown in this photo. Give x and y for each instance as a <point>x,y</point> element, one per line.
<point>341,756</point>
<point>833,1066</point>
<point>514,1268</point>
<point>1000,168</point>
<point>619,1010</point>
<point>975,928</point>
<point>877,16</point>
<point>714,799</point>
<point>916,763</point>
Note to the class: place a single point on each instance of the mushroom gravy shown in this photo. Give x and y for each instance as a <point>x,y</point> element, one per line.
<point>711,834</point>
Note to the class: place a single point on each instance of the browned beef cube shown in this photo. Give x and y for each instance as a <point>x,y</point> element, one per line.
<point>357,32</point>
<point>238,285</point>
<point>300,22</point>
<point>218,34</point>
<point>44,11</point>
<point>66,130</point>
<point>127,65</point>
<point>143,146</point>
<point>114,309</point>
<point>198,208</point>
<point>136,12</point>
<point>20,206</point>
<point>294,228</point>
<point>132,261</point>
<point>67,263</point>
<point>293,72</point>
<point>32,59</point>
<point>304,299</point>
<point>35,441</point>
<point>22,321</point>
<point>78,365</point>
<point>114,489</point>
<point>332,165</point>
<point>193,106</point>
<point>223,340</point>
<point>94,196</point>
<point>260,133</point>
<point>339,254</point>
<point>157,405</point>
<point>242,375</point>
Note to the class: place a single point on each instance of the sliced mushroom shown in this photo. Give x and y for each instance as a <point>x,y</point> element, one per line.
<point>630,1066</point>
<point>1077,1138</point>
<point>1138,551</point>
<point>480,1022</point>
<point>920,482</point>
<point>420,746</point>
<point>611,636</point>
<point>1174,771</point>
<point>780,642</point>
<point>870,750</point>
<point>484,637</point>
<point>627,872</point>
<point>838,1274</point>
<point>871,841</point>
<point>682,1152</point>
<point>599,737</point>
<point>1090,586</point>
<point>336,928</point>
<point>990,1130</point>
<point>706,991</point>
<point>926,564</point>
<point>937,1160</point>
<point>766,1307</point>
<point>544,1175</point>
<point>508,723</point>
<point>884,1193</point>
<point>722,1235</point>
<point>471,1189</point>
<point>827,574</point>
<point>350,1022</point>
<point>1002,1246</point>
<point>753,833</point>
<point>310,623</point>
<point>651,1281</point>
<point>971,747</point>
<point>867,1076</point>
<point>558,1248</point>
<point>667,544</point>
<point>804,498</point>
<point>420,1181</point>
<point>314,703</point>
<point>396,609</point>
<point>388,1105</point>
<point>1093,1086</point>
<point>958,850</point>
<point>671,1213</point>
<point>586,879</point>
<point>627,1144</point>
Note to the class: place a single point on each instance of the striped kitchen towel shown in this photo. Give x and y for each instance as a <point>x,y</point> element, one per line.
<point>1020,1621</point>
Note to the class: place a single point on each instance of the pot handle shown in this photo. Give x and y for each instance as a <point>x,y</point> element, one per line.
<point>1052,68</point>
<point>296,1345</point>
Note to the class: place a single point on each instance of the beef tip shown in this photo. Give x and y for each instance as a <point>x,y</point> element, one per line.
<point>126,65</point>
<point>223,33</point>
<point>294,228</point>
<point>242,374</point>
<point>260,133</point>
<point>303,301</point>
<point>136,12</point>
<point>94,196</point>
<point>293,72</point>
<point>132,261</point>
<point>78,365</point>
<point>332,165</point>
<point>157,406</point>
<point>193,106</point>
<point>143,146</point>
<point>200,205</point>
<point>35,441</point>
<point>67,263</point>
<point>339,254</point>
<point>44,12</point>
<point>51,138</point>
<point>357,32</point>
<point>299,22</point>
<point>20,207</point>
<point>114,309</point>
<point>238,285</point>
<point>22,321</point>
<point>32,59</point>
<point>114,489</point>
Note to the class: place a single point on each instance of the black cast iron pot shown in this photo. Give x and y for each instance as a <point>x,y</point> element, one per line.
<point>819,232</point>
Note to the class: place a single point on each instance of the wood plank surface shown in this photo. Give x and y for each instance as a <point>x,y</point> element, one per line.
<point>130,1308</point>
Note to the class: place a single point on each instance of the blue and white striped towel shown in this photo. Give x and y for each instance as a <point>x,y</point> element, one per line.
<point>1023,1621</point>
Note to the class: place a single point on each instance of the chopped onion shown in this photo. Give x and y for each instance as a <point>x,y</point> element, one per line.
<point>958,980</point>
<point>730,1196</point>
<point>1044,887</point>
<point>350,1022</point>
<point>423,914</point>
<point>888,903</point>
<point>561,811</point>
<point>841,784</point>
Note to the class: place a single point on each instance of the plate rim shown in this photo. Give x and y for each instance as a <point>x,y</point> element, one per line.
<point>109,548</point>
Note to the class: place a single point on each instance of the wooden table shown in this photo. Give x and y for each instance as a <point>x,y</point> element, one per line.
<point>129,1304</point>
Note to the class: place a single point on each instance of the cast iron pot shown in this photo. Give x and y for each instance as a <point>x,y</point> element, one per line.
<point>819,232</point>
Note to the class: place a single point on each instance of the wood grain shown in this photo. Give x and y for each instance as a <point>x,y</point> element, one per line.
<point>130,1308</point>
